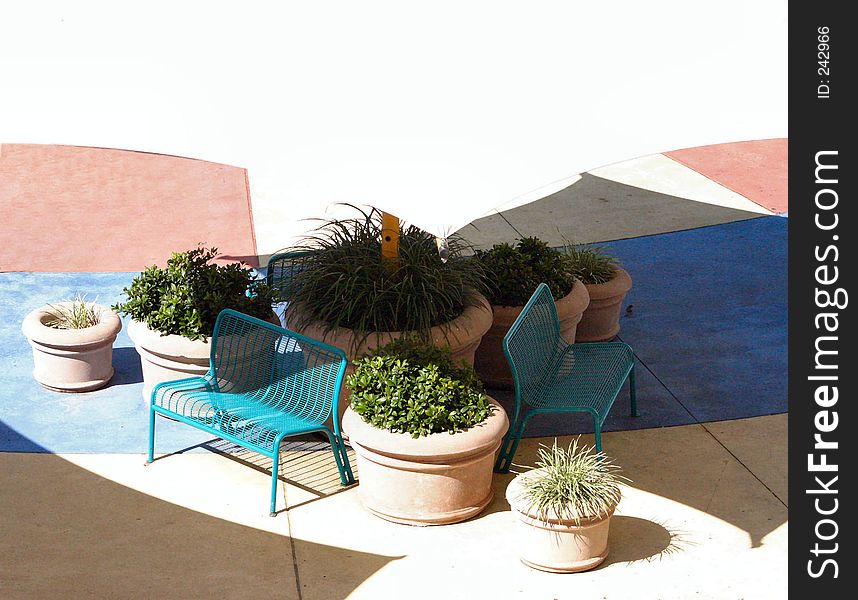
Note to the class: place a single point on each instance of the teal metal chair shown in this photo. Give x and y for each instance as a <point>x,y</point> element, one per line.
<point>282,267</point>
<point>553,376</point>
<point>264,384</point>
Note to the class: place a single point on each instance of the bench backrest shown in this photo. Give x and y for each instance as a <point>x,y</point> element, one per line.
<point>532,343</point>
<point>281,270</point>
<point>275,366</point>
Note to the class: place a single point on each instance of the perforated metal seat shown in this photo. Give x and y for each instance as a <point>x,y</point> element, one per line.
<point>551,375</point>
<point>265,383</point>
<point>282,267</point>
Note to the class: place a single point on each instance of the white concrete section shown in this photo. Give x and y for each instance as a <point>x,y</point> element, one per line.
<point>664,175</point>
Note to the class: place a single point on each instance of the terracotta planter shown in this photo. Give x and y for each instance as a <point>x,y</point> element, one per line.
<point>601,320</point>
<point>490,361</point>
<point>432,480</point>
<point>462,334</point>
<point>72,360</point>
<point>554,544</point>
<point>169,357</point>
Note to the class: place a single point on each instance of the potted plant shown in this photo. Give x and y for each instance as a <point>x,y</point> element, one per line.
<point>173,311</point>
<point>515,271</point>
<point>348,295</point>
<point>424,433</point>
<point>564,508</point>
<point>72,344</point>
<point>607,283</point>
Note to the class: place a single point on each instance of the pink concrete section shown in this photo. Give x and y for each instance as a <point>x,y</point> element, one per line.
<point>66,208</point>
<point>757,170</point>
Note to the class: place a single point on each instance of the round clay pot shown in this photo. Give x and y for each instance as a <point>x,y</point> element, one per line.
<point>170,357</point>
<point>71,360</point>
<point>556,544</point>
<point>601,320</point>
<point>462,334</point>
<point>431,480</point>
<point>491,363</point>
<point>167,357</point>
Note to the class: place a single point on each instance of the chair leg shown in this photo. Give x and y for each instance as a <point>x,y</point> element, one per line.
<point>151,455</point>
<point>275,470</point>
<point>504,461</point>
<point>597,430</point>
<point>633,391</point>
<point>341,458</point>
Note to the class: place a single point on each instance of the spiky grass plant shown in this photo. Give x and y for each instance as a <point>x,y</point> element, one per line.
<point>572,483</point>
<point>345,282</point>
<point>75,314</point>
<point>590,264</point>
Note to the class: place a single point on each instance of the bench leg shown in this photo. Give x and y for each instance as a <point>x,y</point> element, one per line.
<point>151,455</point>
<point>341,458</point>
<point>633,392</point>
<point>275,470</point>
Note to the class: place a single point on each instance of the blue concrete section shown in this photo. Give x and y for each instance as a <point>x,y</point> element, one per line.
<point>708,323</point>
<point>112,419</point>
<point>709,315</point>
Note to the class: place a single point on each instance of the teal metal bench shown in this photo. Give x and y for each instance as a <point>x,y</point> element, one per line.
<point>282,267</point>
<point>264,383</point>
<point>553,376</point>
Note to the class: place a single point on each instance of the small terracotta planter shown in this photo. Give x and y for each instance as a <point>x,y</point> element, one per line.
<point>555,544</point>
<point>432,480</point>
<point>490,361</point>
<point>463,334</point>
<point>72,360</point>
<point>601,320</point>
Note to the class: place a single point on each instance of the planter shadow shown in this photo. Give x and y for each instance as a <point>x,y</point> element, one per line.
<point>634,539</point>
<point>126,367</point>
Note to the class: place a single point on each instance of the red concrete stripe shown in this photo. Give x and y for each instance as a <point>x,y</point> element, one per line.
<point>757,170</point>
<point>67,208</point>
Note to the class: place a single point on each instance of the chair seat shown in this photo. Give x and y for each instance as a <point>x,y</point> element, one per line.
<point>243,415</point>
<point>586,376</point>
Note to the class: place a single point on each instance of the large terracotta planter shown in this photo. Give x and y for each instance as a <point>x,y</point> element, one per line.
<point>72,360</point>
<point>601,320</point>
<point>490,361</point>
<point>432,480</point>
<point>555,544</point>
<point>167,357</point>
<point>462,334</point>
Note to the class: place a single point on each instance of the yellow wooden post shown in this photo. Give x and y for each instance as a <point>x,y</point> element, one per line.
<point>390,238</point>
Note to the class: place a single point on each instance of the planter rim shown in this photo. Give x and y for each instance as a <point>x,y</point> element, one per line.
<point>171,344</point>
<point>436,447</point>
<point>575,301</point>
<point>619,284</point>
<point>33,328</point>
<point>550,520</point>
<point>462,331</point>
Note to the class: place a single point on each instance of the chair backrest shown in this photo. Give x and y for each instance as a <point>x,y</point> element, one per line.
<point>282,268</point>
<point>532,343</point>
<point>276,366</point>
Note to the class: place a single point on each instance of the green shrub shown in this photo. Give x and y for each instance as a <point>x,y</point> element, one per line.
<point>590,264</point>
<point>516,271</point>
<point>185,297</point>
<point>345,282</point>
<point>411,387</point>
<point>572,483</point>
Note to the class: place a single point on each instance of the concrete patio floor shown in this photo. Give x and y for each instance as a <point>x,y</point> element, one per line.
<point>706,517</point>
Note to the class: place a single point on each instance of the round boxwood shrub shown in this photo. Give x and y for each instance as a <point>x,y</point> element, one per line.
<point>185,297</point>
<point>590,264</point>
<point>515,271</point>
<point>345,282</point>
<point>408,386</point>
